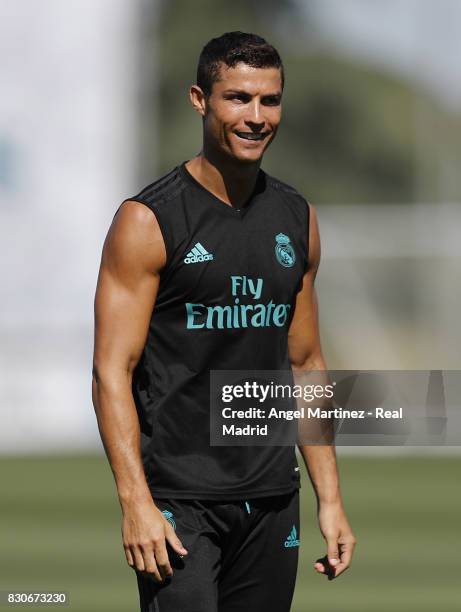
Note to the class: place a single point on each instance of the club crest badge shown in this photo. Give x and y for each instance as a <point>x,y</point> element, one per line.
<point>284,251</point>
<point>169,517</point>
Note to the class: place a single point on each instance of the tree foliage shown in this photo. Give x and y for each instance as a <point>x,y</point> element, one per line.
<point>347,132</point>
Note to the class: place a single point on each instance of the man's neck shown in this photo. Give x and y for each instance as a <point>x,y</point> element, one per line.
<point>231,183</point>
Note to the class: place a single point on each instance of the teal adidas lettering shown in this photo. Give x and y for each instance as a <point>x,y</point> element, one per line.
<point>197,254</point>
<point>292,539</point>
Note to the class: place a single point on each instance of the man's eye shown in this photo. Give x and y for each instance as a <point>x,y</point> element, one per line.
<point>272,101</point>
<point>240,97</point>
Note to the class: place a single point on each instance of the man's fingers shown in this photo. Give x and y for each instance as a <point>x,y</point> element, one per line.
<point>129,556</point>
<point>333,552</point>
<point>151,565</point>
<point>138,558</point>
<point>346,556</point>
<point>175,543</point>
<point>339,569</point>
<point>142,560</point>
<point>150,557</point>
<point>319,566</point>
<point>323,567</point>
<point>154,576</point>
<point>161,557</point>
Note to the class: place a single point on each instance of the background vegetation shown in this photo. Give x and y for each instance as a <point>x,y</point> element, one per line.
<point>351,133</point>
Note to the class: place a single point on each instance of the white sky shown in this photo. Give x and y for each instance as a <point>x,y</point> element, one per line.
<point>421,38</point>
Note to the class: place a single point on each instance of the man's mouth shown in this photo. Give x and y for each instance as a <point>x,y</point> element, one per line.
<point>252,135</point>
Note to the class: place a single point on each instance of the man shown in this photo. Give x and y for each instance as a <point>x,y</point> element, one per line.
<point>207,527</point>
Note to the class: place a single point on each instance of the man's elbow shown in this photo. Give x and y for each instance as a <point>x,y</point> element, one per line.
<point>99,373</point>
<point>109,376</point>
<point>308,361</point>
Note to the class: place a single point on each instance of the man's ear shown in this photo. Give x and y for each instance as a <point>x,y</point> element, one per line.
<point>198,99</point>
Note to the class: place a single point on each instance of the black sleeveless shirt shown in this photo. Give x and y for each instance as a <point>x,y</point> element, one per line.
<point>225,302</point>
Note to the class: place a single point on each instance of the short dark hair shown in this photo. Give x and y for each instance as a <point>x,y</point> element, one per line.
<point>231,48</point>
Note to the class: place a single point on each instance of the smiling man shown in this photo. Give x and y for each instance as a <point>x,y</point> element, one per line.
<point>212,267</point>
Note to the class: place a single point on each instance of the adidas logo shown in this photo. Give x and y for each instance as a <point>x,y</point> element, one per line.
<point>197,254</point>
<point>292,539</point>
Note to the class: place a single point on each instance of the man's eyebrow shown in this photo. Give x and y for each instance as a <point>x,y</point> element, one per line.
<point>246,93</point>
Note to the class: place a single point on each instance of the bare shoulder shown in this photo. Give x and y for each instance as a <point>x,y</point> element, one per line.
<point>134,242</point>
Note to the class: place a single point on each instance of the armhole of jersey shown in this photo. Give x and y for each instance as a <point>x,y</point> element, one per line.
<point>164,229</point>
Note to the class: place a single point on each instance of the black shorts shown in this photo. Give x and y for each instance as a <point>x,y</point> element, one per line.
<point>242,555</point>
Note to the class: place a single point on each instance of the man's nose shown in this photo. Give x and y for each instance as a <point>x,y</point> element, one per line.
<point>254,119</point>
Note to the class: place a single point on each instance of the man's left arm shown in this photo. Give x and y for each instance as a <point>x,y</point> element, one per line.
<point>305,355</point>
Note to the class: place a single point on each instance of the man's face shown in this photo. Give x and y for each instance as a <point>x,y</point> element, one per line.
<point>243,111</point>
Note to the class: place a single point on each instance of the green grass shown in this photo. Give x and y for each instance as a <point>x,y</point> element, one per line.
<point>60,529</point>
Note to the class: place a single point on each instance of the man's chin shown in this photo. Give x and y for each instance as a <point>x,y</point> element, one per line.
<point>248,157</point>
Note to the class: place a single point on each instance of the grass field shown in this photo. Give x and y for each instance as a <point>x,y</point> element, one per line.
<point>60,529</point>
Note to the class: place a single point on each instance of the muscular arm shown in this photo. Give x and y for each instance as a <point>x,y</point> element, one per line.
<point>305,355</point>
<point>133,256</point>
<point>320,460</point>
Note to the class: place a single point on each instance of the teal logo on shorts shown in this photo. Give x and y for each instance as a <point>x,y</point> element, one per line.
<point>292,539</point>
<point>169,517</point>
<point>284,251</point>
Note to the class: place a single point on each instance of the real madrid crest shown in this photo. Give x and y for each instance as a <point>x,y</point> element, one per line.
<point>284,251</point>
<point>169,517</point>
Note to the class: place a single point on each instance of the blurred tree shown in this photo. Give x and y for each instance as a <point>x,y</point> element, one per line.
<point>347,133</point>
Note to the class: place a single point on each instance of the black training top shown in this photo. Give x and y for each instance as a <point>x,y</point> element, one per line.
<point>225,301</point>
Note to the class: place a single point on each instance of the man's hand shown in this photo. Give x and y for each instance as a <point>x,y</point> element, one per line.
<point>339,538</point>
<point>145,532</point>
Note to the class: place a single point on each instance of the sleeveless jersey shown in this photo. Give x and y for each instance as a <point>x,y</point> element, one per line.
<point>219,259</point>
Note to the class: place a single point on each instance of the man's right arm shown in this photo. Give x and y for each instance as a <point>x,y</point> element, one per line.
<point>132,258</point>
